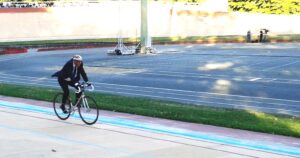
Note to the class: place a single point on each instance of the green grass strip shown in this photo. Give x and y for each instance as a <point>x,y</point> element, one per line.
<point>155,40</point>
<point>232,118</point>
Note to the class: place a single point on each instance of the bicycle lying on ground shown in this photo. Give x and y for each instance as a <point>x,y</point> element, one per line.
<point>86,106</point>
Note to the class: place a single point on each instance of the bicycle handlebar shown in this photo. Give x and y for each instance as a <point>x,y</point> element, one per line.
<point>92,88</point>
<point>82,86</point>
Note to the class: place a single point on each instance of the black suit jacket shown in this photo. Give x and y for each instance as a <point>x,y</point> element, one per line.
<point>67,70</point>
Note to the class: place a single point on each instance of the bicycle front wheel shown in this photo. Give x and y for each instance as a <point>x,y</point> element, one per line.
<point>88,110</point>
<point>57,102</point>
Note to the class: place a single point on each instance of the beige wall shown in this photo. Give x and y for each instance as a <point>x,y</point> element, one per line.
<point>105,21</point>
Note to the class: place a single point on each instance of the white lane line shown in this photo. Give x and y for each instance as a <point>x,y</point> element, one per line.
<point>228,77</point>
<point>220,76</point>
<point>29,83</point>
<point>280,66</point>
<point>217,77</point>
<point>193,67</point>
<point>11,58</point>
<point>258,63</point>
<point>254,79</point>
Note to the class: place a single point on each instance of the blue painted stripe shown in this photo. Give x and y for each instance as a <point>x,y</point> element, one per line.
<point>270,147</point>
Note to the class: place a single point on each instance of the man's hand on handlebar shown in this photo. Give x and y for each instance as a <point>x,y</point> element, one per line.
<point>88,83</point>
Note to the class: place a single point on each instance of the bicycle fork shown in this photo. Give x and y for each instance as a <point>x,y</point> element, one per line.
<point>85,105</point>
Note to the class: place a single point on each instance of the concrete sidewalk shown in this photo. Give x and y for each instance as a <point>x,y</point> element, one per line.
<point>30,129</point>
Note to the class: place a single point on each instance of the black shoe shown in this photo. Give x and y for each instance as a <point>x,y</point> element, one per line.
<point>63,108</point>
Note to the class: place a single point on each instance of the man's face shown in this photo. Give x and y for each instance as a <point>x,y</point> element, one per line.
<point>77,63</point>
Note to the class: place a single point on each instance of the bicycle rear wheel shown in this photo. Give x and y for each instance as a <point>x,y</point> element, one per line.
<point>57,102</point>
<point>88,110</point>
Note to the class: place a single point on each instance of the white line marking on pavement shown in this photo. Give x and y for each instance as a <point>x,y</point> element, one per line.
<point>254,79</point>
<point>275,67</point>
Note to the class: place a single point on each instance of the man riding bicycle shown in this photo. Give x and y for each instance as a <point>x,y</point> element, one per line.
<point>69,75</point>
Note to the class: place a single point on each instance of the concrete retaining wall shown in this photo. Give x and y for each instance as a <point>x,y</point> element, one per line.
<point>106,20</point>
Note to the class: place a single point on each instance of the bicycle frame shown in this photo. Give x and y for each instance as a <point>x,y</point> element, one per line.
<point>81,98</point>
<point>84,101</point>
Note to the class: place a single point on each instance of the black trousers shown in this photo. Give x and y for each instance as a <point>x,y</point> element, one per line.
<point>65,87</point>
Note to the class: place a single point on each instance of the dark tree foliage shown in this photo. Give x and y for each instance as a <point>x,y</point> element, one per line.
<point>266,6</point>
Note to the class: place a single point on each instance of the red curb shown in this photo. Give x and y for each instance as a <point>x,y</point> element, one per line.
<point>13,50</point>
<point>65,48</point>
<point>71,47</point>
<point>24,10</point>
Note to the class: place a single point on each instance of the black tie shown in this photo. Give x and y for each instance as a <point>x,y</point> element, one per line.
<point>75,72</point>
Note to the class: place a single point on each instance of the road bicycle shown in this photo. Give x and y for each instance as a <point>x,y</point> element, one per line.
<point>86,106</point>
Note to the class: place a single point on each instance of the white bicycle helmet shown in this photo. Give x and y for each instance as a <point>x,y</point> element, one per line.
<point>77,58</point>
